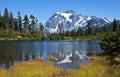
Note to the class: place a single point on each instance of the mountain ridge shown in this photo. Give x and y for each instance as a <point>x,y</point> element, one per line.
<point>70,20</point>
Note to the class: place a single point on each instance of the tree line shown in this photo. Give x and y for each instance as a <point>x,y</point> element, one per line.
<point>89,30</point>
<point>22,24</point>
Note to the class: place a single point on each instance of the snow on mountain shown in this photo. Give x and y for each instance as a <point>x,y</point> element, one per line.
<point>70,20</point>
<point>66,15</point>
<point>107,20</point>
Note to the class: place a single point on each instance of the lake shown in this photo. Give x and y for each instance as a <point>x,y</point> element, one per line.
<point>68,53</point>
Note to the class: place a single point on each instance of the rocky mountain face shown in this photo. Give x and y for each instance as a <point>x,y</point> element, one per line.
<point>70,20</point>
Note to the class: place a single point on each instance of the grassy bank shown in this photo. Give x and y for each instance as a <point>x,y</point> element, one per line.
<point>17,35</point>
<point>97,68</point>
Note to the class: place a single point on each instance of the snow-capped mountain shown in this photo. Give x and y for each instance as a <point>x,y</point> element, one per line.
<point>70,20</point>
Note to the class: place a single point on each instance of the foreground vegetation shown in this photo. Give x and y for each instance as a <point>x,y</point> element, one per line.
<point>111,46</point>
<point>37,68</point>
<point>97,68</point>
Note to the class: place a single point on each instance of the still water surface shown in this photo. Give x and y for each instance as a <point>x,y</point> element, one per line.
<point>12,52</point>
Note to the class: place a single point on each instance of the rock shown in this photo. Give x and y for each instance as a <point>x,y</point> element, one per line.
<point>19,36</point>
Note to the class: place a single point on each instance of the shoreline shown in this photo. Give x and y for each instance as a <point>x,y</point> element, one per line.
<point>30,39</point>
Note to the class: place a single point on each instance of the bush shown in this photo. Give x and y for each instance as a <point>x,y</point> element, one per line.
<point>111,45</point>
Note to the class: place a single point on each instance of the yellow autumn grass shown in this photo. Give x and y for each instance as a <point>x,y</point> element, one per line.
<point>98,67</point>
<point>37,68</point>
<point>4,73</point>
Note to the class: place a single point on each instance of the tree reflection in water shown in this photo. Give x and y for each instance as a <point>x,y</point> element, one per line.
<point>8,60</point>
<point>33,56</point>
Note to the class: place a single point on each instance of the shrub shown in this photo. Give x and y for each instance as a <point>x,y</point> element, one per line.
<point>111,46</point>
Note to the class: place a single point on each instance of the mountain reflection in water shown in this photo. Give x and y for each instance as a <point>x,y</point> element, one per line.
<point>12,52</point>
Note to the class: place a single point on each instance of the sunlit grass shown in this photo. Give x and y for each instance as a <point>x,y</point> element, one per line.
<point>37,68</point>
<point>97,68</point>
<point>17,35</point>
<point>51,58</point>
<point>4,73</point>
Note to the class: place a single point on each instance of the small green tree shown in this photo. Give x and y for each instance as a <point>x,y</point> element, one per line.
<point>89,28</point>
<point>0,20</point>
<point>32,22</point>
<point>26,23</point>
<point>115,25</point>
<point>104,28</point>
<point>6,19</point>
<point>19,22</point>
<point>111,45</point>
<point>73,33</point>
<point>80,32</point>
<point>11,21</point>
<point>67,33</point>
<point>41,27</point>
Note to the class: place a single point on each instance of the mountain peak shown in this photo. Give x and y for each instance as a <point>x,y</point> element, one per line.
<point>70,11</point>
<point>70,20</point>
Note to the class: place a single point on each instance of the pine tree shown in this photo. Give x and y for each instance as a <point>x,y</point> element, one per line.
<point>16,24</point>
<point>32,22</point>
<point>80,32</point>
<point>0,20</point>
<point>60,33</point>
<point>111,46</point>
<point>63,34</point>
<point>11,21</point>
<point>67,33</point>
<point>89,28</point>
<point>115,25</point>
<point>104,28</point>
<point>6,19</point>
<point>26,23</point>
<point>19,22</point>
<point>41,27</point>
<point>73,33</point>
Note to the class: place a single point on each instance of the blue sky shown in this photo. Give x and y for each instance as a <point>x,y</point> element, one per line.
<point>43,9</point>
